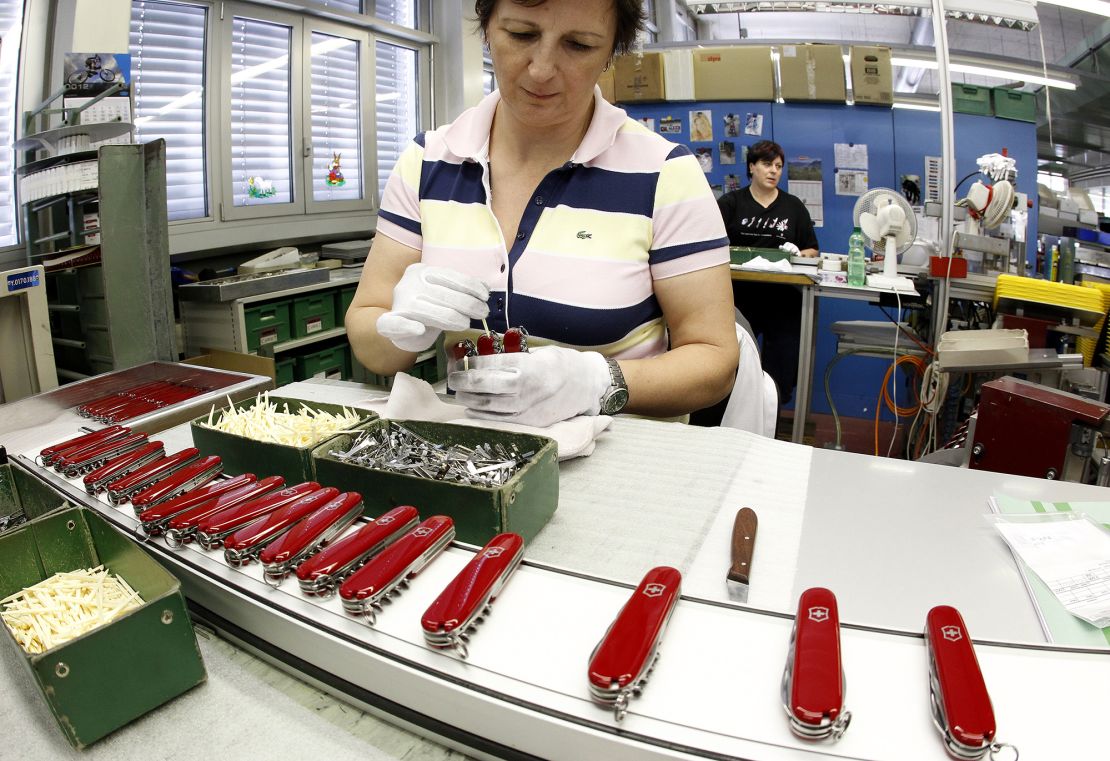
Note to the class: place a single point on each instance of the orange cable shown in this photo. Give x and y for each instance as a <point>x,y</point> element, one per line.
<point>884,394</point>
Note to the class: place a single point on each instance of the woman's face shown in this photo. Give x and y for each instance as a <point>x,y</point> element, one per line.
<point>548,57</point>
<point>766,173</point>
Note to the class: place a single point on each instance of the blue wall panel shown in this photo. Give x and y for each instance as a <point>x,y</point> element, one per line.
<point>718,109</point>
<point>897,142</point>
<point>804,129</point>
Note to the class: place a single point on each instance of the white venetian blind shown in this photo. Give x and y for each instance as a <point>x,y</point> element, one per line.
<point>336,132</point>
<point>11,24</point>
<point>167,70</point>
<point>399,12</point>
<point>261,128</point>
<point>397,105</point>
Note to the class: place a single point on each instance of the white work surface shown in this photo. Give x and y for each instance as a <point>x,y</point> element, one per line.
<point>890,538</point>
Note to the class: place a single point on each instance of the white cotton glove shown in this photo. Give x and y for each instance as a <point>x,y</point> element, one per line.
<point>428,300</point>
<point>537,388</point>
<point>790,248</point>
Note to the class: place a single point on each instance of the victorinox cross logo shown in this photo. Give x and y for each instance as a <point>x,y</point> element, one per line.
<point>951,633</point>
<point>493,552</point>
<point>654,590</point>
<point>422,531</point>
<point>384,520</point>
<point>818,613</point>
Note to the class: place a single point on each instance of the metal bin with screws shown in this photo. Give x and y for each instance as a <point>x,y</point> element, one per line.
<point>110,675</point>
<point>487,481</point>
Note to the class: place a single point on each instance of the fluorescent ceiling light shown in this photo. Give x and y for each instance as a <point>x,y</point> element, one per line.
<point>1019,14</point>
<point>993,72</point>
<point>915,106</point>
<point>1097,7</point>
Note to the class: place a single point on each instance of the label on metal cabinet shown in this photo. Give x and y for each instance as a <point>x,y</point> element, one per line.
<point>315,325</point>
<point>20,280</point>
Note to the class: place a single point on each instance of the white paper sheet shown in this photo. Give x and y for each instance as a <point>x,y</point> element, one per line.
<point>1071,555</point>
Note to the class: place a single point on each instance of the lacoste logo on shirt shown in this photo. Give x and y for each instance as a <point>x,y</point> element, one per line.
<point>582,235</point>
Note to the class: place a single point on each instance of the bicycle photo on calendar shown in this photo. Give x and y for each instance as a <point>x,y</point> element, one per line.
<point>89,74</point>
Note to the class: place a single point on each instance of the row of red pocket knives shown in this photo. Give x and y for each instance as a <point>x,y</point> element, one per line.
<point>813,680</point>
<point>296,530</point>
<point>138,400</point>
<point>291,529</point>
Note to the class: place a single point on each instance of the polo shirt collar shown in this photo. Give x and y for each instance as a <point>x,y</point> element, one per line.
<point>468,136</point>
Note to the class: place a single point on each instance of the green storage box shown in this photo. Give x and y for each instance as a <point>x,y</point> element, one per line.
<point>112,675</point>
<point>313,313</point>
<point>523,505</point>
<point>266,324</point>
<point>743,254</point>
<point>323,363</point>
<point>21,494</point>
<point>1014,104</point>
<point>242,455</point>
<point>285,371</point>
<point>969,99</point>
<point>343,299</point>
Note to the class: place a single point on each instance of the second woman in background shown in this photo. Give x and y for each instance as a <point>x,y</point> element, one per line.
<point>761,215</point>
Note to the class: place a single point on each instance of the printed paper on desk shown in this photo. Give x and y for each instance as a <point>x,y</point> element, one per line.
<point>1070,553</point>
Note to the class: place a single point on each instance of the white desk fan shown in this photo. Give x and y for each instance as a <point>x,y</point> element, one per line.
<point>888,225</point>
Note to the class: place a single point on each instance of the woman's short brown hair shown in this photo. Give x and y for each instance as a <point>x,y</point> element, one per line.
<point>630,19</point>
<point>764,150</point>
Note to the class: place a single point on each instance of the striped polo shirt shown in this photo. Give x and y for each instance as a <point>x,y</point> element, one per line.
<point>627,209</point>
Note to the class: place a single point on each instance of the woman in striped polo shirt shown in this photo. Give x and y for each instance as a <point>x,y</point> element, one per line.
<point>546,207</point>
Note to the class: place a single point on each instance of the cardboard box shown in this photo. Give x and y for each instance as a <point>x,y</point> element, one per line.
<point>218,359</point>
<point>524,504</point>
<point>242,455</point>
<point>734,73</point>
<point>872,76</point>
<point>678,74</point>
<point>608,85</point>
<point>639,78</point>
<point>812,72</point>
<point>114,674</point>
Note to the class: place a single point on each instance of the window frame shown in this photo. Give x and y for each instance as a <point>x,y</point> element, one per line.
<point>255,226</point>
<point>228,211</point>
<point>367,117</point>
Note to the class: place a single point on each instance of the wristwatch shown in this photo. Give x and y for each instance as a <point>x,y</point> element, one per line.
<point>615,397</point>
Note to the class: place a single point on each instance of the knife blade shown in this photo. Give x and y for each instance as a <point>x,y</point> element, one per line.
<point>743,546</point>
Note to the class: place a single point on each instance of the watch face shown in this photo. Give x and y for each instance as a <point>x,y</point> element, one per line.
<point>614,401</point>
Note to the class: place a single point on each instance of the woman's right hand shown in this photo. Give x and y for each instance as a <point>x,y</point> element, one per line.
<point>428,300</point>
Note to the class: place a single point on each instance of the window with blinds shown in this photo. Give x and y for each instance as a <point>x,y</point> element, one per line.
<point>335,110</point>
<point>167,69</point>
<point>11,24</point>
<point>399,12</point>
<point>261,122</point>
<point>397,105</point>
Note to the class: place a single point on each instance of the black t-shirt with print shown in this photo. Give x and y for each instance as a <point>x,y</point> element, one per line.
<point>749,224</point>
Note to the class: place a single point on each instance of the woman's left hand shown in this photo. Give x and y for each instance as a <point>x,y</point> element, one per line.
<point>537,388</point>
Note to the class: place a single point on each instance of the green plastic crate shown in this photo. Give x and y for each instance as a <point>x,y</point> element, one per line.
<point>106,678</point>
<point>970,99</point>
<point>266,323</point>
<point>313,313</point>
<point>285,371</point>
<point>323,363</point>
<point>1014,104</point>
<point>343,299</point>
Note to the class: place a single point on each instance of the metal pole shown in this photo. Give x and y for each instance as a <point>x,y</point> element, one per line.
<point>947,162</point>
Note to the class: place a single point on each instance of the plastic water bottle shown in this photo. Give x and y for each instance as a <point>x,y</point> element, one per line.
<point>857,266</point>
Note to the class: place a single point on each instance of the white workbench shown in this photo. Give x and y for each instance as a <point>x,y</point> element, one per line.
<point>890,538</point>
